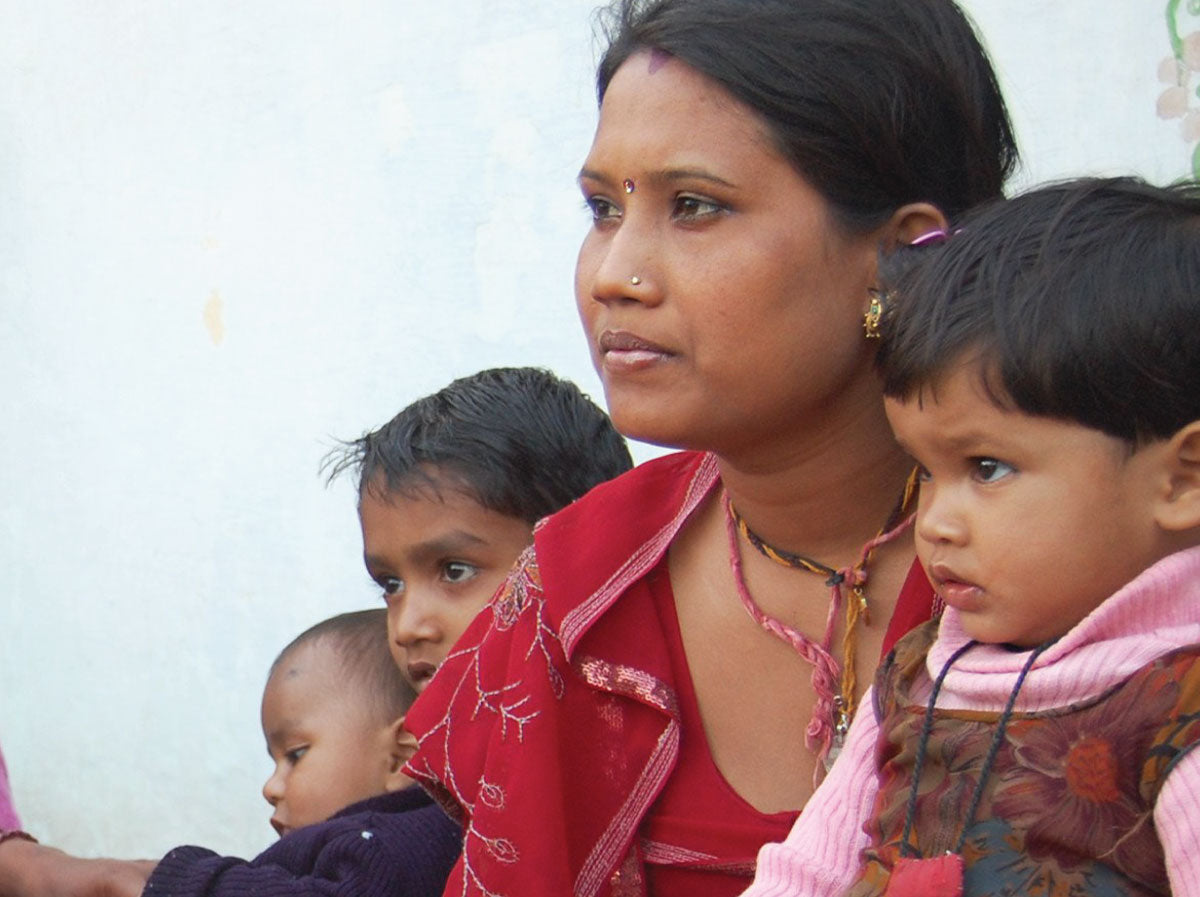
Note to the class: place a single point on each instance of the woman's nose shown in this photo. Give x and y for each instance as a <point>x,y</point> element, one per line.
<point>625,266</point>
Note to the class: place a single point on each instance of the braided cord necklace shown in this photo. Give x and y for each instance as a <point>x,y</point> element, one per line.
<point>835,685</point>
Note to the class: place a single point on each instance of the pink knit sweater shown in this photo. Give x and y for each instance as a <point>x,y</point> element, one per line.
<point>1150,617</point>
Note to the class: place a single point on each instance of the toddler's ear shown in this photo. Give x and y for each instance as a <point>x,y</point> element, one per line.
<point>404,745</point>
<point>1180,508</point>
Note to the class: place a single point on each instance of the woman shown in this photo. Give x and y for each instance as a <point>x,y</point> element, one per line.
<point>669,669</point>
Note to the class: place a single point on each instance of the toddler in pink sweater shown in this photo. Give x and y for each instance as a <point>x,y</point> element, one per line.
<point>1042,365</point>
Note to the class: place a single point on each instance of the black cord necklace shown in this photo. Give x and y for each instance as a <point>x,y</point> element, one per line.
<point>935,876</point>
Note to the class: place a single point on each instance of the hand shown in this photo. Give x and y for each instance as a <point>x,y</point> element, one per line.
<point>35,870</point>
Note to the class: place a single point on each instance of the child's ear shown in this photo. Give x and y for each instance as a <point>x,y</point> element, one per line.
<point>1179,509</point>
<point>404,745</point>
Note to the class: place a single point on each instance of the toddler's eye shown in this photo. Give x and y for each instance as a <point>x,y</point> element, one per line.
<point>391,586</point>
<point>459,571</point>
<point>988,470</point>
<point>293,756</point>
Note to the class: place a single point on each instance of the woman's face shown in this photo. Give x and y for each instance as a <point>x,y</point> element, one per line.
<point>745,322</point>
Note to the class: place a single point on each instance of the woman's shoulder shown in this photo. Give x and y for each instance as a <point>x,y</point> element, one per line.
<point>648,487</point>
<point>624,512</point>
<point>594,547</point>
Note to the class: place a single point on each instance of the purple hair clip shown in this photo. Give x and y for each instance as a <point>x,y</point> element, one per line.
<point>933,236</point>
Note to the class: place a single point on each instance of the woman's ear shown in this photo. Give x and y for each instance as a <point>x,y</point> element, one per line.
<point>911,222</point>
<point>1179,508</point>
<point>404,745</point>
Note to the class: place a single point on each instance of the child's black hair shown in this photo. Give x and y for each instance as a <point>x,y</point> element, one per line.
<point>520,441</point>
<point>1078,301</point>
<point>360,639</point>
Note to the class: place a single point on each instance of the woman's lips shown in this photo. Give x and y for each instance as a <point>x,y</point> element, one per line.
<point>622,351</point>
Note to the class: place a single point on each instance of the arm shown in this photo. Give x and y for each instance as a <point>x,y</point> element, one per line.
<point>822,853</point>
<point>406,854</point>
<point>29,869</point>
<point>8,813</point>
<point>1177,818</point>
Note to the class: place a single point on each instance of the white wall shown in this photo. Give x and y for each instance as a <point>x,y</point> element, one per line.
<point>230,232</point>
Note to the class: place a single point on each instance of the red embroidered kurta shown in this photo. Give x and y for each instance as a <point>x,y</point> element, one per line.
<point>553,726</point>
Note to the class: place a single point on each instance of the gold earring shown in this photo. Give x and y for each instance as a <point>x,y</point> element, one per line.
<point>874,315</point>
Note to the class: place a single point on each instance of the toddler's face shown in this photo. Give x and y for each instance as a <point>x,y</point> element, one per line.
<point>439,559</point>
<point>329,749</point>
<point>1025,524</point>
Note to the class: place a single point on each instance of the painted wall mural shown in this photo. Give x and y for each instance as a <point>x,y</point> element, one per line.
<point>1181,98</point>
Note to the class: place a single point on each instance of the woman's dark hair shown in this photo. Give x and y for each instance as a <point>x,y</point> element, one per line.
<point>1079,301</point>
<point>521,441</point>
<point>876,103</point>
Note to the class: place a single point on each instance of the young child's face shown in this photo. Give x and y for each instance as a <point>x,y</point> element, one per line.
<point>330,749</point>
<point>439,559</point>
<point>1025,524</point>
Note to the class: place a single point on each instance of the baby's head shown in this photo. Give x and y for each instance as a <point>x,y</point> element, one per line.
<point>450,488</point>
<point>332,714</point>
<point>1043,366</point>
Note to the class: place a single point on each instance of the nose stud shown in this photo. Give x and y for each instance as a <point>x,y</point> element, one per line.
<point>635,280</point>
<point>628,185</point>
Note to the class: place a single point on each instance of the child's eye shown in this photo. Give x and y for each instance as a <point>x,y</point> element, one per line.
<point>601,209</point>
<point>988,470</point>
<point>689,208</point>
<point>459,571</point>
<point>391,586</point>
<point>293,756</point>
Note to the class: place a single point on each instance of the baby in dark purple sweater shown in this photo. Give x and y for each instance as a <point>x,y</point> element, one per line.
<point>350,820</point>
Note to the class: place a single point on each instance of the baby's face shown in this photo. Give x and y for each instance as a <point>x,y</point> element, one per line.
<point>439,558</point>
<point>1024,524</point>
<point>329,749</point>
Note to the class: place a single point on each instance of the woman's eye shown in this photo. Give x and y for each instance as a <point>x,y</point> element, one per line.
<point>391,585</point>
<point>459,571</point>
<point>690,207</point>
<point>988,470</point>
<point>601,209</point>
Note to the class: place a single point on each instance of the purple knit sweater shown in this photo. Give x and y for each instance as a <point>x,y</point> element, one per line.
<point>400,845</point>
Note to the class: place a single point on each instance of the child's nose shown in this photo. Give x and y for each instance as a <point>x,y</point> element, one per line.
<point>938,519</point>
<point>272,789</point>
<point>413,620</point>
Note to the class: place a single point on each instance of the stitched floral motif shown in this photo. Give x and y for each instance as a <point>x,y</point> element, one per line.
<point>507,703</point>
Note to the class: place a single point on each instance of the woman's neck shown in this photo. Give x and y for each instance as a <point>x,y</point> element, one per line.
<point>824,494</point>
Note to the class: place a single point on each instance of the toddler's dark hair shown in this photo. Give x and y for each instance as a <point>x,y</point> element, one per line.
<point>1078,301</point>
<point>521,441</point>
<point>360,639</point>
